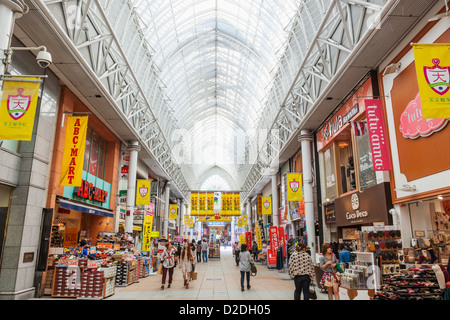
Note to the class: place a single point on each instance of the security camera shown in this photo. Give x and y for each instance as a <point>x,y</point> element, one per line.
<point>44,59</point>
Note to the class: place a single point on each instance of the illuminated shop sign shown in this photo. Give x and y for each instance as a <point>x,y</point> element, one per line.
<point>89,192</point>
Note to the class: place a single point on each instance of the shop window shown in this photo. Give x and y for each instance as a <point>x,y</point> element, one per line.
<point>346,165</point>
<point>95,154</point>
<point>367,176</point>
<point>11,145</point>
<point>329,173</point>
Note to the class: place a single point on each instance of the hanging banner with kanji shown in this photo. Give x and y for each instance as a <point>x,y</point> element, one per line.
<point>202,203</point>
<point>18,108</point>
<point>258,237</point>
<point>294,186</point>
<point>143,192</point>
<point>147,232</point>
<point>173,211</point>
<point>248,240</point>
<point>194,203</point>
<point>210,203</point>
<point>433,76</point>
<point>73,156</point>
<point>266,208</point>
<point>237,204</point>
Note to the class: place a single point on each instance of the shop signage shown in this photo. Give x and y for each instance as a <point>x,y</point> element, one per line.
<point>258,237</point>
<point>369,206</point>
<point>281,240</point>
<point>283,215</point>
<point>102,245</point>
<point>432,63</point>
<point>248,240</point>
<point>413,125</point>
<point>73,156</point>
<point>330,216</point>
<point>88,191</point>
<point>18,108</point>
<point>216,223</point>
<point>70,237</point>
<point>124,170</point>
<point>273,231</point>
<point>143,192</point>
<point>146,233</point>
<point>138,217</point>
<point>154,234</point>
<point>378,141</point>
<point>339,121</point>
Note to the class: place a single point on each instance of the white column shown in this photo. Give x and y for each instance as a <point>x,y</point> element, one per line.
<point>133,148</point>
<point>166,210</point>
<point>182,213</point>
<point>9,11</point>
<point>275,201</point>
<point>305,138</point>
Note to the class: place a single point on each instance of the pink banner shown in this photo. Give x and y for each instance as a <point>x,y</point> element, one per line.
<point>273,240</point>
<point>377,134</point>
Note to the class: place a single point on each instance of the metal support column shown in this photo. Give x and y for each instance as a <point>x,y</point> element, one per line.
<point>166,211</point>
<point>133,148</point>
<point>275,201</point>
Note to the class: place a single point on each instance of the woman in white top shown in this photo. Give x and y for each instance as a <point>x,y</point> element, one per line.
<point>168,262</point>
<point>186,261</point>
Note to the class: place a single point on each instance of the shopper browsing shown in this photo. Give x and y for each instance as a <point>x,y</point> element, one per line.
<point>245,262</point>
<point>330,279</point>
<point>186,261</point>
<point>301,269</point>
<point>199,251</point>
<point>168,261</point>
<point>205,251</point>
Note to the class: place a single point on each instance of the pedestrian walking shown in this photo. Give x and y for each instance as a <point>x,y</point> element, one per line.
<point>168,262</point>
<point>236,253</point>
<point>301,269</point>
<point>330,279</point>
<point>205,251</point>
<point>246,260</point>
<point>199,251</point>
<point>186,262</point>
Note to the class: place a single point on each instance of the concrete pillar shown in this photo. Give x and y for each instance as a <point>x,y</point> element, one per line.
<point>166,210</point>
<point>275,201</point>
<point>306,138</point>
<point>9,12</point>
<point>133,148</point>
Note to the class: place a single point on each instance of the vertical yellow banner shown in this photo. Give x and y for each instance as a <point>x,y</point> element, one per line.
<point>191,223</point>
<point>223,211</point>
<point>294,187</point>
<point>18,108</point>
<point>147,230</point>
<point>242,239</point>
<point>202,203</point>
<point>73,157</point>
<point>244,219</point>
<point>237,204</point>
<point>229,204</point>
<point>186,219</point>
<point>240,222</point>
<point>210,204</point>
<point>258,237</point>
<point>433,76</point>
<point>266,204</point>
<point>194,203</point>
<point>173,211</point>
<point>143,192</point>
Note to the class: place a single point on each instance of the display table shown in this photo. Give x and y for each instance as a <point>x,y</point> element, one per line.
<point>356,294</point>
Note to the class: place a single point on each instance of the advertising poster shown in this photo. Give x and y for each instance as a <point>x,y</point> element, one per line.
<point>248,240</point>
<point>273,234</point>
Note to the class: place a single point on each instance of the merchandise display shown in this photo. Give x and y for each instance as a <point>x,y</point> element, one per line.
<point>411,284</point>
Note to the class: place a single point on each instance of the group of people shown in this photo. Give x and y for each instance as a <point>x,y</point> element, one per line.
<point>184,256</point>
<point>301,269</point>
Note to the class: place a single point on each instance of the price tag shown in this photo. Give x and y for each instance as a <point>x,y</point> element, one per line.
<point>92,264</point>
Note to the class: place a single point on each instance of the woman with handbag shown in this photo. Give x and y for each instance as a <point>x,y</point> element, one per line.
<point>301,269</point>
<point>331,278</point>
<point>186,261</point>
<point>168,263</point>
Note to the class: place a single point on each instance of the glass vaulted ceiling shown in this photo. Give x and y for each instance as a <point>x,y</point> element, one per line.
<point>217,59</point>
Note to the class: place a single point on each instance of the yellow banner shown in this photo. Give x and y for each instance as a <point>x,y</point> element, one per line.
<point>433,76</point>
<point>294,186</point>
<point>202,203</point>
<point>229,209</point>
<point>191,223</point>
<point>18,109</point>
<point>215,217</point>
<point>258,237</point>
<point>244,219</point>
<point>173,211</point>
<point>147,233</point>
<point>242,239</point>
<point>143,192</point>
<point>237,204</point>
<point>240,222</point>
<point>186,219</point>
<point>223,209</point>
<point>194,204</point>
<point>210,203</point>
<point>266,205</point>
<point>73,157</point>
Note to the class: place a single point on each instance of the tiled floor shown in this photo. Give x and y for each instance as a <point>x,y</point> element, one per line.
<point>217,280</point>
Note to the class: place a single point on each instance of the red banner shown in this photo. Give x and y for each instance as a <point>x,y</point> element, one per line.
<point>273,240</point>
<point>378,140</point>
<point>248,239</point>
<point>281,240</point>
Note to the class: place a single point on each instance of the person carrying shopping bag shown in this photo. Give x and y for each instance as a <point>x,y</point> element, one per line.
<point>186,261</point>
<point>301,269</point>
<point>331,278</point>
<point>246,260</point>
<point>168,262</point>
